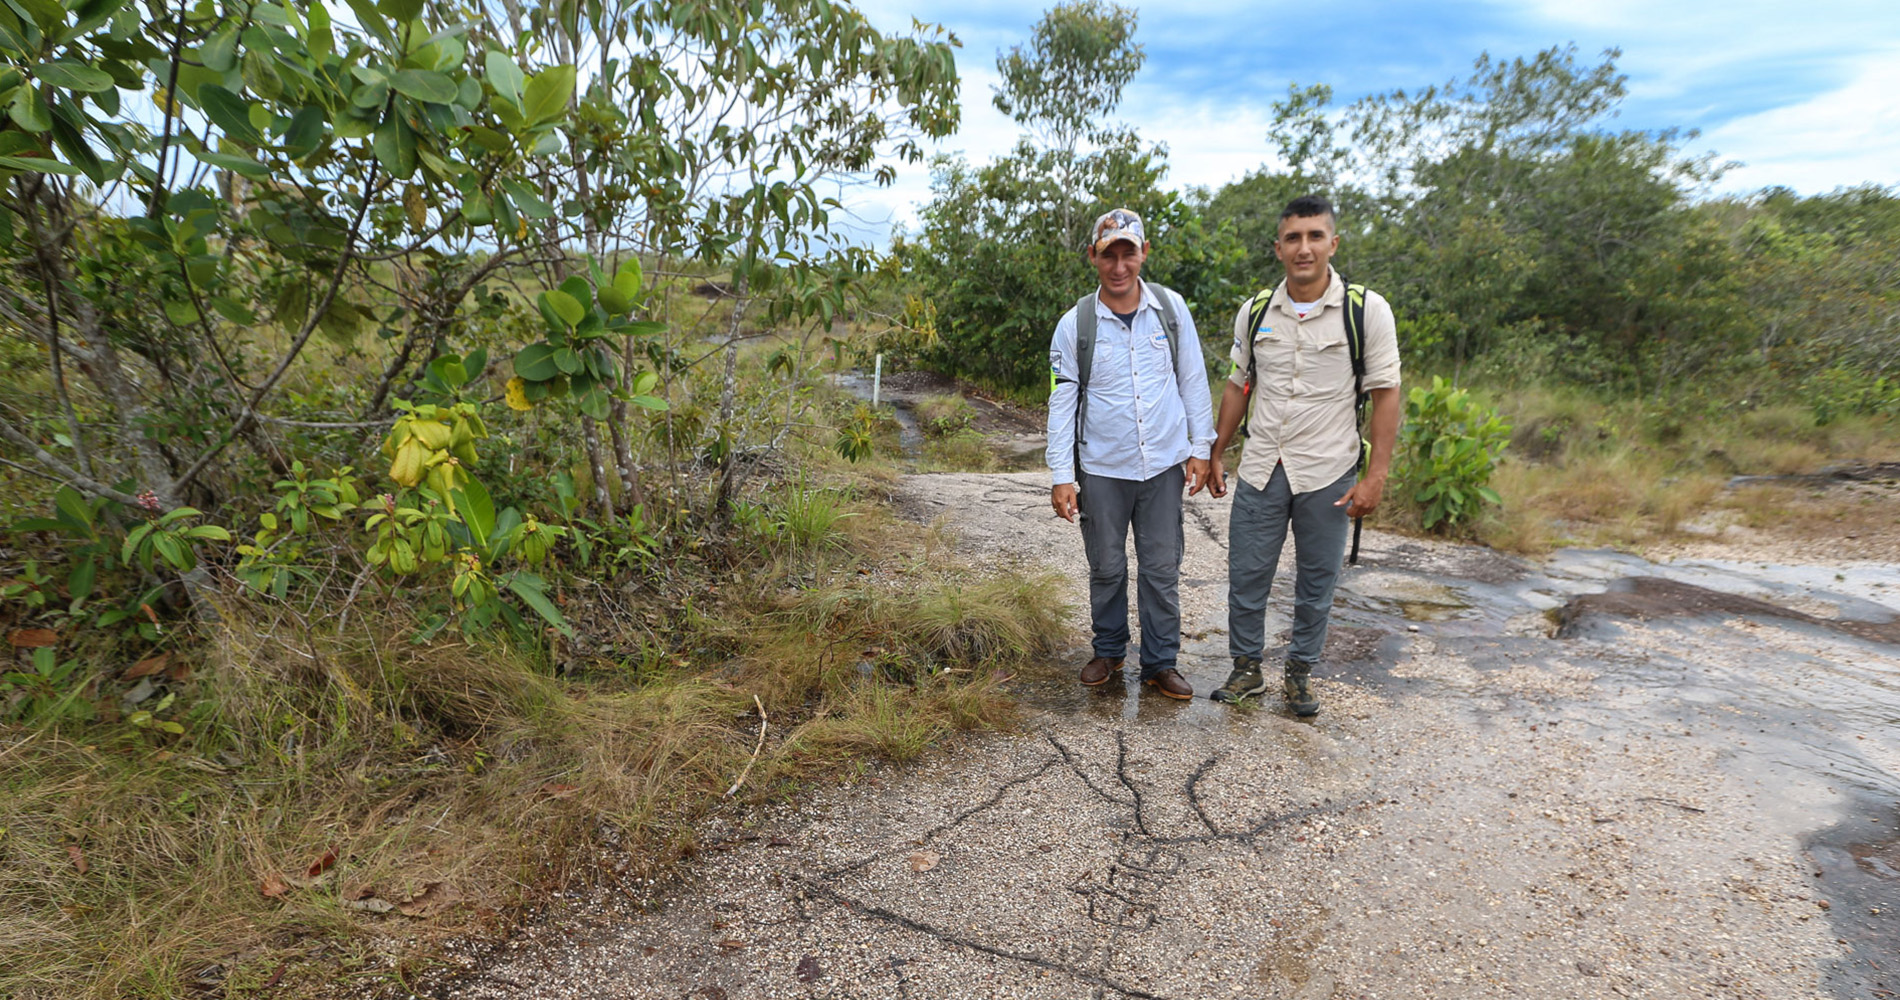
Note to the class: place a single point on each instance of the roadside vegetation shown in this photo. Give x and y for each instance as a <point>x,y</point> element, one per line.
<point>426,481</point>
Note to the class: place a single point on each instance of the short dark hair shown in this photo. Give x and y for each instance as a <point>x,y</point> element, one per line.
<point>1306,206</point>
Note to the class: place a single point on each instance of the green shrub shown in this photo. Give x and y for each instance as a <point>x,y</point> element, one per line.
<point>944,416</point>
<point>1447,452</point>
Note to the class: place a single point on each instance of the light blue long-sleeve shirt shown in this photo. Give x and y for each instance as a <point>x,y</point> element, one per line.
<point>1143,418</point>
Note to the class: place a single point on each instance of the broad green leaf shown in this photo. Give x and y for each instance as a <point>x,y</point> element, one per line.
<point>230,113</point>
<point>478,511</point>
<point>48,14</point>
<point>595,402</point>
<point>240,164</point>
<point>73,76</point>
<point>395,147</point>
<point>535,363</point>
<point>504,75</point>
<point>233,311</point>
<point>578,287</point>
<point>424,85</point>
<point>565,359</point>
<point>614,301</point>
<point>527,200</point>
<point>219,52</point>
<point>489,139</point>
<point>401,10</point>
<point>568,308</point>
<point>531,589</point>
<point>73,507</point>
<point>293,304</point>
<point>39,164</point>
<point>29,111</point>
<point>547,94</point>
<point>628,277</point>
<point>321,39</point>
<point>304,132</point>
<point>648,402</point>
<point>644,328</point>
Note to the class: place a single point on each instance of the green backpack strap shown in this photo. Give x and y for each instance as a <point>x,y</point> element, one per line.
<point>1256,311</point>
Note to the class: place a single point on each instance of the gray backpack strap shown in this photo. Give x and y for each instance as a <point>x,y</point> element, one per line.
<point>1084,363</point>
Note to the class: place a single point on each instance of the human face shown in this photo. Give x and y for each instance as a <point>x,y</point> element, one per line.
<point>1118,265</point>
<point>1305,246</point>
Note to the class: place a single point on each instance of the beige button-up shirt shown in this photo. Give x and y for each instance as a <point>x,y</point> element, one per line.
<point>1302,411</point>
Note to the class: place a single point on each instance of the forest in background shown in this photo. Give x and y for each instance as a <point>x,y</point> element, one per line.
<point>420,441</point>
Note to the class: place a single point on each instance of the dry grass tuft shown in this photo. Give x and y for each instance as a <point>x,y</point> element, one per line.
<point>463,781</point>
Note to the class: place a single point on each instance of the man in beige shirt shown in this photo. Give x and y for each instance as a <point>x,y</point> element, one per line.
<point>1298,469</point>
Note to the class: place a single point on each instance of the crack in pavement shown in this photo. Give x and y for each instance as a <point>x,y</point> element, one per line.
<point>818,887</point>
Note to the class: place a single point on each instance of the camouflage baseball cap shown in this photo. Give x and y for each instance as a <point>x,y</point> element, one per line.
<point>1118,224</point>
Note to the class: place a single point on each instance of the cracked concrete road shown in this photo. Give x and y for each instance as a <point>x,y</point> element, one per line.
<point>1514,789</point>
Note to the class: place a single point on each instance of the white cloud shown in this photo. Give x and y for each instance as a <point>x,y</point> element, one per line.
<point>1844,137</point>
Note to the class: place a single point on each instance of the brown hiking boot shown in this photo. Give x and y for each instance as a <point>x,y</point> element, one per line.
<point>1096,672</point>
<point>1171,683</point>
<point>1298,685</point>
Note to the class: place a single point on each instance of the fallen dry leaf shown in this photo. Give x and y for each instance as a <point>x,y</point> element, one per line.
<point>732,943</point>
<point>323,864</point>
<point>148,666</point>
<point>809,970</point>
<point>358,891</point>
<point>433,898</point>
<point>276,976</point>
<point>923,861</point>
<point>78,856</point>
<point>33,638</point>
<point>374,904</point>
<point>274,886</point>
<point>556,790</point>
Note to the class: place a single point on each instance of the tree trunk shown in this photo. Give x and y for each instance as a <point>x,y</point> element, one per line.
<point>630,491</point>
<point>590,437</point>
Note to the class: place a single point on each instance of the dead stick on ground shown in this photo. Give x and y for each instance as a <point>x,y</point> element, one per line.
<point>730,792</point>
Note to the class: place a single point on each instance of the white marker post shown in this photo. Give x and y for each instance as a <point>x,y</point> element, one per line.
<point>877,380</point>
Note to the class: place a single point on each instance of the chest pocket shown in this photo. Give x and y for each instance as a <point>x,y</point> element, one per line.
<point>1327,363</point>
<point>1274,354</point>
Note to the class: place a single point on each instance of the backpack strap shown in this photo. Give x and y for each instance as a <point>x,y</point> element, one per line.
<point>1084,365</point>
<point>1256,311</point>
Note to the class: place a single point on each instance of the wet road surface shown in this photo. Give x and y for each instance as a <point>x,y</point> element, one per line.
<point>1588,775</point>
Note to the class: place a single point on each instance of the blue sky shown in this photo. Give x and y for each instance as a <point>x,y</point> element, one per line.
<point>1806,96</point>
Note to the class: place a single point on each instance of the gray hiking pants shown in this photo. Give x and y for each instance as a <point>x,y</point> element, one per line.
<point>1153,508</point>
<point>1256,531</point>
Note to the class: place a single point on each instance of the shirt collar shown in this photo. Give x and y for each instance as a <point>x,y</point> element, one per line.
<point>1335,294</point>
<point>1147,301</point>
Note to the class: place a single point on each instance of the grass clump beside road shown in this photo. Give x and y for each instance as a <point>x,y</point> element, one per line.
<point>1580,470</point>
<point>343,798</point>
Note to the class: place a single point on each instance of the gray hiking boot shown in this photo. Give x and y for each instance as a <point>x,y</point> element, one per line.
<point>1299,689</point>
<point>1244,682</point>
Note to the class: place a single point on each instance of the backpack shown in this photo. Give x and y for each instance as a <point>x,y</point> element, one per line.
<point>1085,319</point>
<point>1355,347</point>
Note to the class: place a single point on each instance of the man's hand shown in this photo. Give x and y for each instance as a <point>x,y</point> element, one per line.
<point>1196,475</point>
<point>1216,478</point>
<point>1364,496</point>
<point>1062,498</point>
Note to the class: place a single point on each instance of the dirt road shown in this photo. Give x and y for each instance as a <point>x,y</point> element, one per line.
<point>1589,776</point>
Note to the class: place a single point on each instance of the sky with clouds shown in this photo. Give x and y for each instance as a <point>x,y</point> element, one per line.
<point>1805,96</point>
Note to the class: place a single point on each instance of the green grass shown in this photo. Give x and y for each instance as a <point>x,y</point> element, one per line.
<point>476,769</point>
